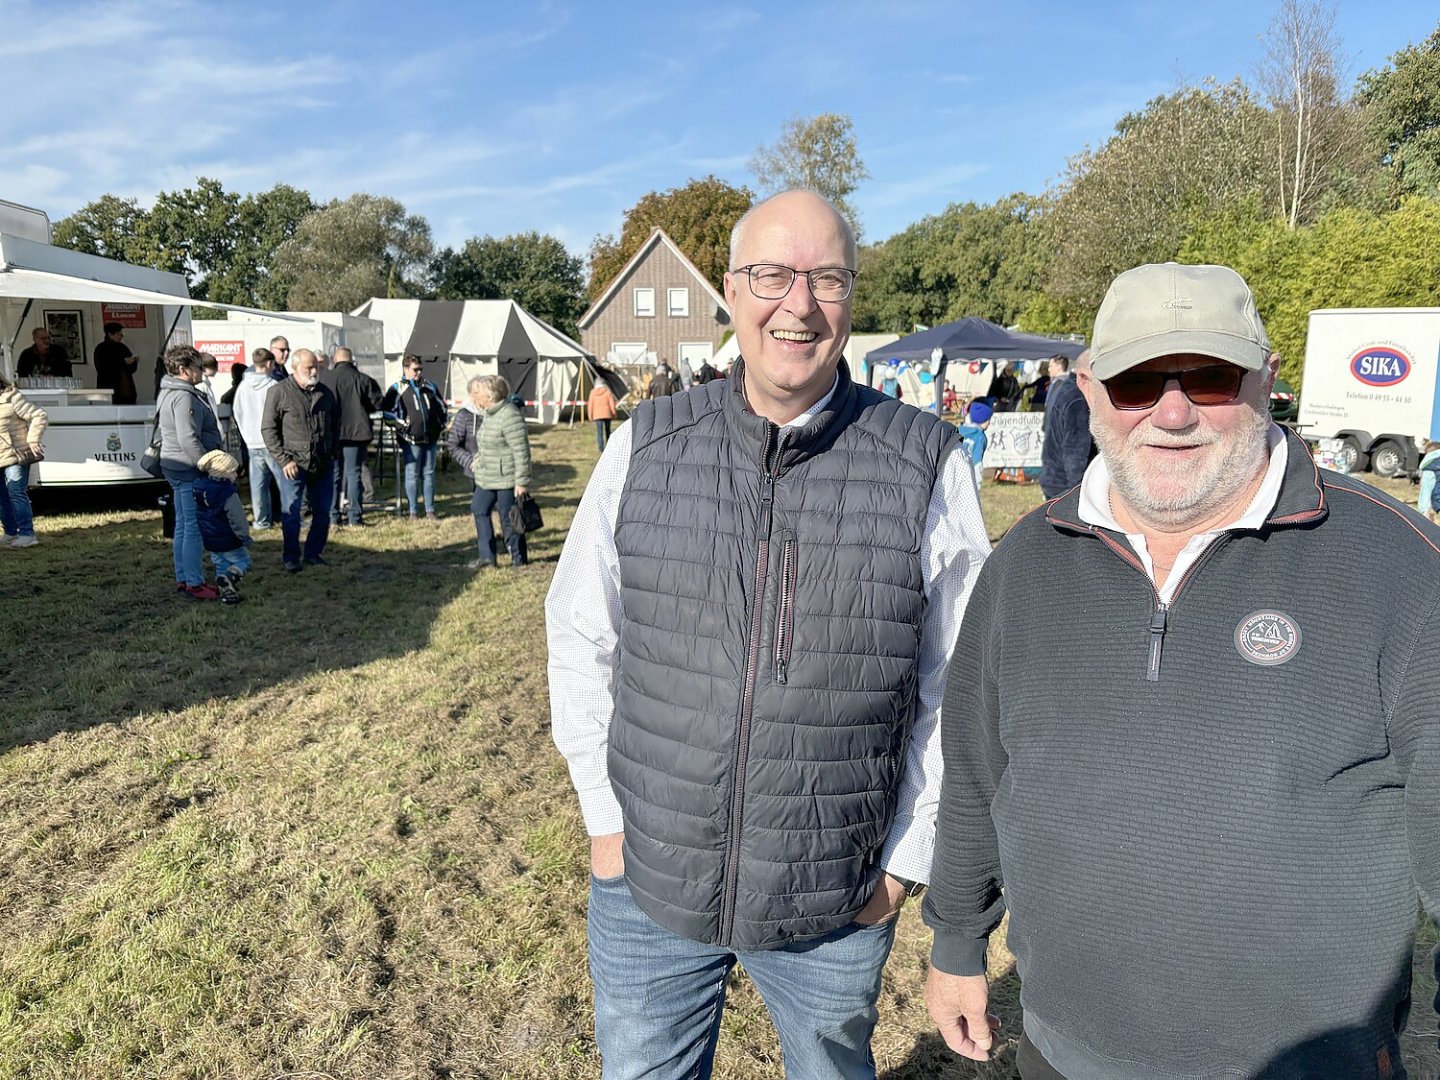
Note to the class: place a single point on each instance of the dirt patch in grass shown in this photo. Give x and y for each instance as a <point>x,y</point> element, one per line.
<point>324,833</point>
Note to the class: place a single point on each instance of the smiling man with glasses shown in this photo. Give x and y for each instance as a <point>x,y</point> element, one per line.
<point>748,633</point>
<point>1211,812</point>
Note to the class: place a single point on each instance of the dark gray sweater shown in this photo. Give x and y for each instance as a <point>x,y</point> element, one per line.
<point>1213,873</point>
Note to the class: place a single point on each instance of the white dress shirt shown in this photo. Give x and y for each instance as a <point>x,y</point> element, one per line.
<point>1095,510</point>
<point>583,617</point>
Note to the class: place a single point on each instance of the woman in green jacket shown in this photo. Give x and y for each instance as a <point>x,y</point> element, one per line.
<point>499,464</point>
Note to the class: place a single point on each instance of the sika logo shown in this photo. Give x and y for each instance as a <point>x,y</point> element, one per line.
<point>1267,638</point>
<point>1380,365</point>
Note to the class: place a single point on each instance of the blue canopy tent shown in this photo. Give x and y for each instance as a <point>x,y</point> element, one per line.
<point>971,338</point>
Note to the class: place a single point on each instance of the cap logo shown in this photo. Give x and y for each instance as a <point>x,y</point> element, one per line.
<point>1267,638</point>
<point>1179,303</point>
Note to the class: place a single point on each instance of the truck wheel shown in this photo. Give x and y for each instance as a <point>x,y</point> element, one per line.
<point>1351,456</point>
<point>1387,460</point>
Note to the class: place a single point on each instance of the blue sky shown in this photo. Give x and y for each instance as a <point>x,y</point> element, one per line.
<point>497,118</point>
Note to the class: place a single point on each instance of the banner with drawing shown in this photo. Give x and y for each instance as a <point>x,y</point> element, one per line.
<point>1015,440</point>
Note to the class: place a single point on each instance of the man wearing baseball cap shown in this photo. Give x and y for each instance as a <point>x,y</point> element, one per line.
<point>1211,816</point>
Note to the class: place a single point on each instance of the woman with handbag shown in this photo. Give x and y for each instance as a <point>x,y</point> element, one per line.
<point>188,431</point>
<point>22,425</point>
<point>499,464</point>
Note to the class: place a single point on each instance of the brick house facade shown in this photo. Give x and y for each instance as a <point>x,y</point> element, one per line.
<point>658,306</point>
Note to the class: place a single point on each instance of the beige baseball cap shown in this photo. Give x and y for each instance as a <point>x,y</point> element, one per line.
<point>1164,308</point>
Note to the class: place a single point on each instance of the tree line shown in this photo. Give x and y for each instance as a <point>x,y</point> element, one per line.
<point>1321,195</point>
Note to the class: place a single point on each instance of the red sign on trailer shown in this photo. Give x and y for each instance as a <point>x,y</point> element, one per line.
<point>130,316</point>
<point>226,353</point>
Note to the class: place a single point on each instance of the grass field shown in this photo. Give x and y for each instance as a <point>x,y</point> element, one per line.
<point>324,833</point>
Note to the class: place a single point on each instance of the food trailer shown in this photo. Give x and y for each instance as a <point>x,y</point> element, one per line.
<point>73,295</point>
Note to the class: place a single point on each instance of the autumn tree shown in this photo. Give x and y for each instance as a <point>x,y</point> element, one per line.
<point>533,270</point>
<point>1402,112</point>
<point>818,154</point>
<point>1315,130</point>
<point>697,216</point>
<point>351,250</point>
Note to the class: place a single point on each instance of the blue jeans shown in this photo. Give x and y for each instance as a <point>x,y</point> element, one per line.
<point>187,549</point>
<point>481,503</point>
<point>226,561</point>
<point>602,432</point>
<point>15,502</point>
<point>659,996</point>
<point>319,485</point>
<point>420,458</point>
<point>348,467</point>
<point>262,467</point>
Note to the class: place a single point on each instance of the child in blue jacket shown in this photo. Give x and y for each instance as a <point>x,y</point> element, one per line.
<point>223,529</point>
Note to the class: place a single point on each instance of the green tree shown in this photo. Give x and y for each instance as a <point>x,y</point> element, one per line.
<point>1130,201</point>
<point>818,154</point>
<point>351,250</point>
<point>697,216</point>
<point>533,270</point>
<point>111,227</point>
<point>1402,104</point>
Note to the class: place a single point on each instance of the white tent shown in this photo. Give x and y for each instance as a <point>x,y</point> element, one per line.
<point>459,339</point>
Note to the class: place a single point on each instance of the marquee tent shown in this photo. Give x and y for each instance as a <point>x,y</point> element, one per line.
<point>968,339</point>
<point>459,339</point>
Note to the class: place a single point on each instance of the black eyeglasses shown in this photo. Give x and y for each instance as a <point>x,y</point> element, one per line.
<point>772,281</point>
<point>1218,384</point>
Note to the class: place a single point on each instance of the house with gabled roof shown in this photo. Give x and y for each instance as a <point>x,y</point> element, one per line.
<point>659,307</point>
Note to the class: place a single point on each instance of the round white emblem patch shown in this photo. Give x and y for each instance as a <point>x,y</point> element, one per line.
<point>1267,638</point>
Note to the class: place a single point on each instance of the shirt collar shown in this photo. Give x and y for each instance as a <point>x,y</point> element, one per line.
<point>814,410</point>
<point>1096,484</point>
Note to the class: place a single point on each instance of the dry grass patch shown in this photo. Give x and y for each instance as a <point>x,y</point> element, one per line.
<point>325,833</point>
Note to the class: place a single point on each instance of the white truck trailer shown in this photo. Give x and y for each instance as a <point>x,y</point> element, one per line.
<point>1370,383</point>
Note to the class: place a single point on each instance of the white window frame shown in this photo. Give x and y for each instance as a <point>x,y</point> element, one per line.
<point>644,294</point>
<point>681,310</point>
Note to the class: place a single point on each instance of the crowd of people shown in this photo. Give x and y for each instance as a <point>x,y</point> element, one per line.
<point>1209,813</point>
<point>306,427</point>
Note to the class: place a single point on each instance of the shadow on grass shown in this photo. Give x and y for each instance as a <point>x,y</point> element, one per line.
<point>930,1058</point>
<point>99,634</point>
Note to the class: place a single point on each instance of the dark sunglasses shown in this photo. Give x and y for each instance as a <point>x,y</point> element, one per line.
<point>1215,385</point>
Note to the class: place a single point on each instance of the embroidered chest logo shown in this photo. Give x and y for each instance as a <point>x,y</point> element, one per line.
<point>1267,638</point>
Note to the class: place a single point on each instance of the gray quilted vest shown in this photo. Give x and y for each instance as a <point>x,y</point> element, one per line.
<point>773,596</point>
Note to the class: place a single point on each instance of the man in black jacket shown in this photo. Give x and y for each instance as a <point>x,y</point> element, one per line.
<point>1066,449</point>
<point>357,395</point>
<point>417,411</point>
<point>1211,813</point>
<point>302,429</point>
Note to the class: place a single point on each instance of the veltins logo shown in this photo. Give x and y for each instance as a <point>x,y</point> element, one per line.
<point>1267,638</point>
<point>1380,365</point>
<point>112,443</point>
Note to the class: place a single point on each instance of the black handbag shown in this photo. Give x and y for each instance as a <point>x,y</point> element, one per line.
<point>150,459</point>
<point>524,516</point>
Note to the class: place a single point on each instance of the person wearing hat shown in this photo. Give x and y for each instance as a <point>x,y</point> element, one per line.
<point>1211,814</point>
<point>972,434</point>
<point>223,529</point>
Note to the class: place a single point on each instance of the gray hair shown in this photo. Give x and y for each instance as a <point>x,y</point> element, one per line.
<point>475,380</point>
<point>1081,362</point>
<point>738,232</point>
<point>343,355</point>
<point>498,388</point>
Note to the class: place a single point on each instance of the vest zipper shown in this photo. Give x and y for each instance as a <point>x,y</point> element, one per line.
<point>785,620</point>
<point>747,696</point>
<point>1157,640</point>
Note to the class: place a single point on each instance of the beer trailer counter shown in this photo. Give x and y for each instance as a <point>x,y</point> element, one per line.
<point>73,295</point>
